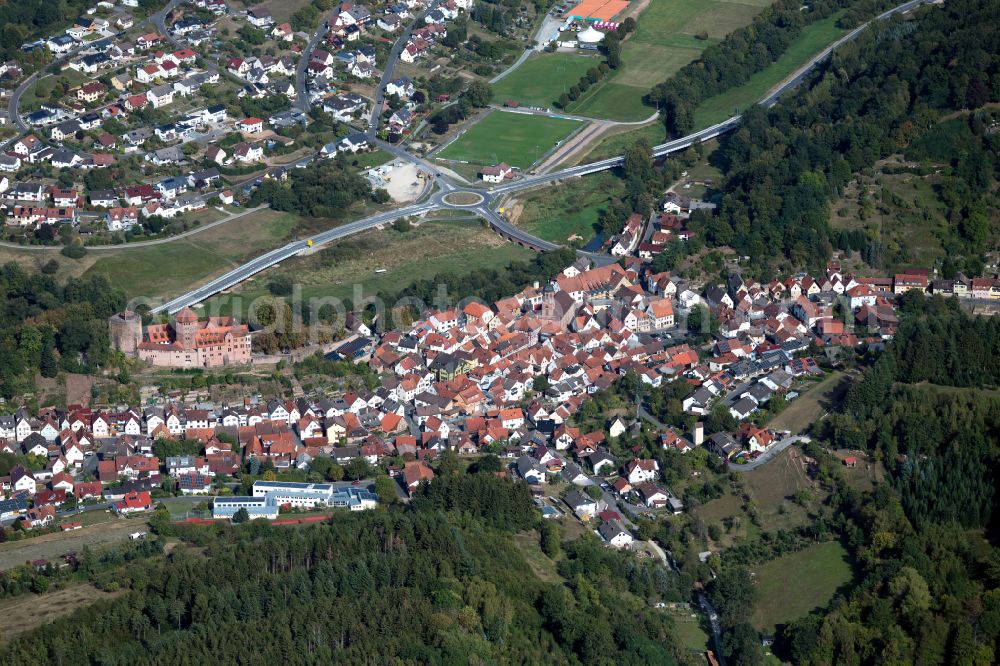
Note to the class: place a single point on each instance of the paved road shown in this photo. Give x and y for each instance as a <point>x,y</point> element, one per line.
<point>375,120</point>
<point>157,20</point>
<point>301,95</point>
<point>492,197</point>
<point>769,455</point>
<point>263,262</point>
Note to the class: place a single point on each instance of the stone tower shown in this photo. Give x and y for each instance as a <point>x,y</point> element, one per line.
<point>185,325</point>
<point>125,329</point>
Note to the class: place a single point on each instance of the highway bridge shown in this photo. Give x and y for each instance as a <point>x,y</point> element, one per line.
<point>490,199</point>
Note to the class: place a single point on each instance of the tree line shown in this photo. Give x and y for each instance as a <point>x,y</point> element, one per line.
<point>732,62</point>
<point>425,584</point>
<point>46,326</point>
<point>871,99</point>
<point>928,579</point>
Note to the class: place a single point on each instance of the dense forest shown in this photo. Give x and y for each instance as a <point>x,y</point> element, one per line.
<point>872,99</point>
<point>45,325</point>
<point>928,592</point>
<point>430,584</point>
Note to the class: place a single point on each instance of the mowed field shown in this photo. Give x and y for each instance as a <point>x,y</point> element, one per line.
<point>665,40</point>
<point>538,81</point>
<point>813,39</point>
<point>518,139</point>
<point>795,584</point>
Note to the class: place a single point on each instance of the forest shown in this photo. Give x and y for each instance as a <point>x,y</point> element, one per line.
<point>427,584</point>
<point>929,591</point>
<point>872,99</point>
<point>45,326</point>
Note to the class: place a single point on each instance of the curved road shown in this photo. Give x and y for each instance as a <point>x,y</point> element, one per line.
<point>768,455</point>
<point>491,197</point>
<point>157,20</point>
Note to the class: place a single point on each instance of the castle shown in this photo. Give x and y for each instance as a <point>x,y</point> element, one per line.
<point>186,343</point>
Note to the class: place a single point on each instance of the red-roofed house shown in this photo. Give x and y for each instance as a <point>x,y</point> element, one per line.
<point>134,502</point>
<point>250,125</point>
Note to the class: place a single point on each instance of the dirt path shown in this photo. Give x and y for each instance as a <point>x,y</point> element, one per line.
<point>582,140</point>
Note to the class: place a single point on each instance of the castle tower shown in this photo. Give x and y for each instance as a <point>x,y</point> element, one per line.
<point>125,330</point>
<point>185,326</point>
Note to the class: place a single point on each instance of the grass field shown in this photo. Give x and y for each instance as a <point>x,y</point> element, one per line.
<point>795,584</point>
<point>282,10</point>
<point>572,208</point>
<point>172,268</point>
<point>810,407</point>
<point>812,40</point>
<point>515,138</point>
<point>614,144</point>
<point>772,487</point>
<point>52,546</point>
<point>664,42</point>
<point>536,82</point>
<point>41,91</point>
<point>689,631</point>
<point>541,565</point>
<point>423,252</point>
<point>28,611</point>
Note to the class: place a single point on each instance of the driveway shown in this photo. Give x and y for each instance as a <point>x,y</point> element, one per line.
<point>768,455</point>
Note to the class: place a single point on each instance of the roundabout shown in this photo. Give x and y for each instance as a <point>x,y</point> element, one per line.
<point>463,199</point>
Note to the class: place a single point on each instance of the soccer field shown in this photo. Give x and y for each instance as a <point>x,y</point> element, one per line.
<point>518,139</point>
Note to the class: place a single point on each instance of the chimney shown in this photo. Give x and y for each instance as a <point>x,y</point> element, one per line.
<point>535,284</point>
<point>699,433</point>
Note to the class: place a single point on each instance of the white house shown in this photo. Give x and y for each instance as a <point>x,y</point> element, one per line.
<point>642,470</point>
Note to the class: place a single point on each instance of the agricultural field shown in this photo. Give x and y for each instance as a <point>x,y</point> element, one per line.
<point>570,210</point>
<point>536,81</point>
<point>670,34</point>
<point>432,248</point>
<point>816,573</point>
<point>813,39</point>
<point>515,138</point>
